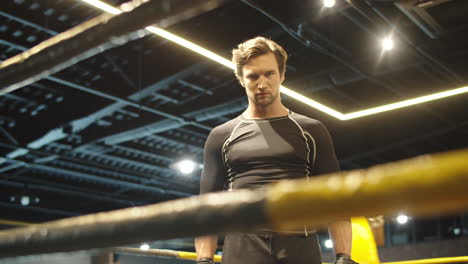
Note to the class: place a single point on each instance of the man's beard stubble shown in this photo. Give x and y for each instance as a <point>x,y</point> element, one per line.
<point>265,103</point>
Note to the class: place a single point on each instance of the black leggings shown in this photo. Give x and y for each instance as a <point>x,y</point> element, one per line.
<point>241,248</point>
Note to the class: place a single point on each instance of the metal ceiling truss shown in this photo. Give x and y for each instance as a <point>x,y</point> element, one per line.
<point>374,14</point>
<point>68,170</point>
<point>96,179</point>
<point>403,143</point>
<point>47,186</point>
<point>92,37</point>
<point>117,162</point>
<point>208,113</point>
<point>122,168</point>
<point>151,157</point>
<point>80,124</point>
<point>8,122</point>
<point>204,114</point>
<point>26,25</point>
<point>326,47</point>
<point>357,74</point>
<point>159,142</point>
<point>130,175</point>
<point>38,209</point>
<point>116,174</point>
<point>104,181</point>
<point>57,134</point>
<point>10,165</point>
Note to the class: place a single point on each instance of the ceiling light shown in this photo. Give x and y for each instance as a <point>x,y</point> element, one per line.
<point>402,219</point>
<point>456,231</point>
<point>329,3</point>
<point>144,247</point>
<point>191,46</point>
<point>328,243</point>
<point>103,6</point>
<point>186,166</point>
<point>387,43</point>
<point>405,103</point>
<point>314,104</point>
<point>24,200</point>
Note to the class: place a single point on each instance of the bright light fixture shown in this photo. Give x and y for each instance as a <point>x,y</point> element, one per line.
<point>144,247</point>
<point>25,200</point>
<point>191,46</point>
<point>402,219</point>
<point>405,103</point>
<point>186,166</point>
<point>328,243</point>
<point>387,43</point>
<point>103,6</point>
<point>329,3</point>
<point>314,104</point>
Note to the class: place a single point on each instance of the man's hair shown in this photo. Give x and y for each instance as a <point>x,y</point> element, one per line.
<point>256,47</point>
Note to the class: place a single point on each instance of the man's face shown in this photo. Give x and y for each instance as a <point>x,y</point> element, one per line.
<point>262,80</point>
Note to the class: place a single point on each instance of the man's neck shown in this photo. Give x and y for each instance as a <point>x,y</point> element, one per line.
<point>261,112</point>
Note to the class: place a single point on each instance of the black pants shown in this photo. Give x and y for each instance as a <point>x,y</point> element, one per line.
<point>241,248</point>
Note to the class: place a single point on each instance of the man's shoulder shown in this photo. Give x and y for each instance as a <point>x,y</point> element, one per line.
<point>226,128</point>
<point>221,133</point>
<point>305,120</point>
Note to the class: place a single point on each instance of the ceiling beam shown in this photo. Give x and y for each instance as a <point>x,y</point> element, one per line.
<point>92,37</point>
<point>46,186</point>
<point>37,209</point>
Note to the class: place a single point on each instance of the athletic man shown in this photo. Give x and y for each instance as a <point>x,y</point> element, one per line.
<point>265,144</point>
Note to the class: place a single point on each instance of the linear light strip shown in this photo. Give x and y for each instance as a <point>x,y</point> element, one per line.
<point>103,6</point>
<point>210,55</point>
<point>406,103</point>
<point>191,46</point>
<point>312,103</point>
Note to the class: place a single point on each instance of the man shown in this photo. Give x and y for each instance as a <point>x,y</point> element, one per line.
<point>267,143</point>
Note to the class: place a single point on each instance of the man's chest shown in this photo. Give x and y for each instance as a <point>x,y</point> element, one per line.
<point>264,143</point>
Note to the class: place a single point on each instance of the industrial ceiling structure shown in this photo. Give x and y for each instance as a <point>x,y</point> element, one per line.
<point>108,132</point>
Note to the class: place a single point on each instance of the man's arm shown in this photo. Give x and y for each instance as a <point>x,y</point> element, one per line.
<point>340,231</point>
<point>206,246</point>
<point>213,179</point>
<point>341,234</point>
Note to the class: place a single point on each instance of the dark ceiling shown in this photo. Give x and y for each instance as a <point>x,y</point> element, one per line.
<point>104,133</point>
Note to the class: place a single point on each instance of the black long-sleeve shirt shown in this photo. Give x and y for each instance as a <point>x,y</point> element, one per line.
<point>249,153</point>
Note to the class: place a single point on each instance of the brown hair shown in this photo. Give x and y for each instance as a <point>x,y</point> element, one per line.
<point>255,47</point>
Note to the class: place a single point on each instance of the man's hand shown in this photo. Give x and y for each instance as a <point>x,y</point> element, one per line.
<point>205,261</point>
<point>342,258</point>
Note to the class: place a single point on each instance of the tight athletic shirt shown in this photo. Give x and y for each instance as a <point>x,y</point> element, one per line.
<point>250,153</point>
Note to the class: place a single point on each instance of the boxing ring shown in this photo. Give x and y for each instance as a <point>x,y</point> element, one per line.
<point>384,189</point>
<point>422,186</point>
